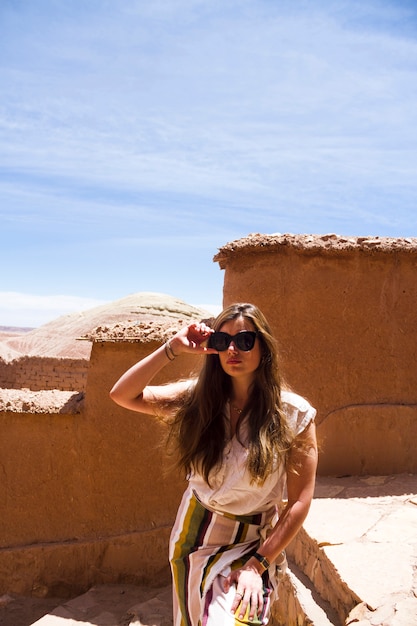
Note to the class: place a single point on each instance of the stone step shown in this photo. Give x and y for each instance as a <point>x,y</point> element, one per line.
<point>299,604</point>
<point>323,577</point>
<point>359,548</point>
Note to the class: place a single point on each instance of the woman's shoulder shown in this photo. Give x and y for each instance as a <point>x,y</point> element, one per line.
<point>294,400</point>
<point>298,410</point>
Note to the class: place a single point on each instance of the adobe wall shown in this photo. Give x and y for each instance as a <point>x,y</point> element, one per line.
<point>88,497</point>
<point>344,311</point>
<point>36,373</point>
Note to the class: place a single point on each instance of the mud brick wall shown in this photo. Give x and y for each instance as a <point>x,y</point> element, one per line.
<point>38,373</point>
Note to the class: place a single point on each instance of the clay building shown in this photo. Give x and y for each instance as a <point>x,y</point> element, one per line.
<point>344,311</point>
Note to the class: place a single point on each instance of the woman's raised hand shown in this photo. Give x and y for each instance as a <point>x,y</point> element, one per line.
<point>131,390</point>
<point>192,339</point>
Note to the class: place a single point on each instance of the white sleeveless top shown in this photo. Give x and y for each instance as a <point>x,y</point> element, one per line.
<point>231,490</point>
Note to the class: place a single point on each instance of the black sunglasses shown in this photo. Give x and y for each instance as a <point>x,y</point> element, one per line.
<point>245,340</point>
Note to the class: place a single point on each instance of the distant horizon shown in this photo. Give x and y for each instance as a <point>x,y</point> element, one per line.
<point>46,309</point>
<point>23,329</point>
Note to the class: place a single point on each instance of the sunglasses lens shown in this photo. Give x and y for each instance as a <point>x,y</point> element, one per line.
<point>221,341</point>
<point>245,341</point>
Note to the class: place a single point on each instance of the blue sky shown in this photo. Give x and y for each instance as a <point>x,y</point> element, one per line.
<point>138,137</point>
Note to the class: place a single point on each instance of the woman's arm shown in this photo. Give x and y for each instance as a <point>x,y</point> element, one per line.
<point>300,488</point>
<point>132,390</point>
<point>301,478</point>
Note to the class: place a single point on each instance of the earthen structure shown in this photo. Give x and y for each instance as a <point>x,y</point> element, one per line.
<point>88,493</point>
<point>344,312</point>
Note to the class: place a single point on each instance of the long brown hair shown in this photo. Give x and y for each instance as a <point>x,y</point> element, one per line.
<point>199,427</point>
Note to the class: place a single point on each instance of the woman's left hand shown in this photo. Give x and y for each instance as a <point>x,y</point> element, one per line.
<point>249,591</point>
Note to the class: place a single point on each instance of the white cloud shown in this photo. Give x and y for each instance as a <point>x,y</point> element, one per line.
<point>187,124</point>
<point>29,310</point>
<point>214,309</point>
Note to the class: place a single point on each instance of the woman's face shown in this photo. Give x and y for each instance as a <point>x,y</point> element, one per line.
<point>235,362</point>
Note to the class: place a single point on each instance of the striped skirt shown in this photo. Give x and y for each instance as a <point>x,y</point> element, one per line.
<point>204,548</point>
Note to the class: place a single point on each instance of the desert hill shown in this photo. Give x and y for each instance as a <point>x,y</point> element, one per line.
<point>61,337</point>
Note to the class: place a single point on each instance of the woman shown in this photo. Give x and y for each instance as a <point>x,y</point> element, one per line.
<point>241,439</point>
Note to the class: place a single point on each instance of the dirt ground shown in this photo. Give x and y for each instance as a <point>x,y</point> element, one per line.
<point>21,611</point>
<point>115,605</point>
